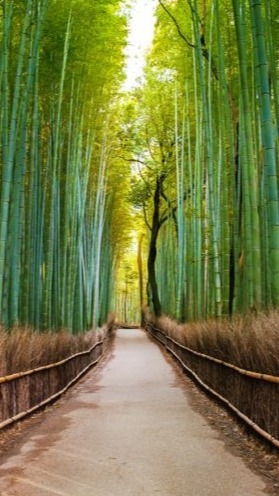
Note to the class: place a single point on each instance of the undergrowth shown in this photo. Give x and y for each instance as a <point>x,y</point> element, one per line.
<point>24,349</point>
<point>250,341</point>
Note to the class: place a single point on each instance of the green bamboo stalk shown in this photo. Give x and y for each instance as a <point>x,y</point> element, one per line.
<point>17,210</point>
<point>191,241</point>
<point>55,157</point>
<point>270,36</point>
<point>180,310</point>
<point>240,26</point>
<point>209,160</point>
<point>198,230</point>
<point>268,144</point>
<point>99,223</point>
<point>227,182</point>
<point>9,137</point>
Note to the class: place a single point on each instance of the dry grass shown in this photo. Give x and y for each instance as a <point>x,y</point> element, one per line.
<point>250,341</point>
<point>23,349</point>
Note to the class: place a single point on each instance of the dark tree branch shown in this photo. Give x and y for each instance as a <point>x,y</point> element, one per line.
<point>209,58</point>
<point>182,35</point>
<point>151,153</point>
<point>205,51</point>
<point>145,182</point>
<point>130,159</point>
<point>171,213</point>
<point>145,217</point>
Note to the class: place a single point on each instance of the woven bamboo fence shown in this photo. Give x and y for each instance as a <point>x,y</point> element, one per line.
<point>23,393</point>
<point>253,396</point>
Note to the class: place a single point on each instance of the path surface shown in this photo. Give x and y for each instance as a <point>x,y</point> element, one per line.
<point>126,430</point>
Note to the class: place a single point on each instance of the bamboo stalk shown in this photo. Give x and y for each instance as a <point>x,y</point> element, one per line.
<point>254,271</point>
<point>209,154</point>
<point>269,144</point>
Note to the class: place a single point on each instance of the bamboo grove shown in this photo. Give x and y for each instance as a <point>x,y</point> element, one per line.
<point>186,161</point>
<point>208,157</point>
<point>60,65</point>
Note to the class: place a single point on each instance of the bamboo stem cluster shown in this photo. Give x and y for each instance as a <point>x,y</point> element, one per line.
<point>224,178</point>
<point>54,150</point>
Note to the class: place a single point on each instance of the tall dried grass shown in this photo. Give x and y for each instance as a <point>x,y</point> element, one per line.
<point>24,349</point>
<point>250,341</point>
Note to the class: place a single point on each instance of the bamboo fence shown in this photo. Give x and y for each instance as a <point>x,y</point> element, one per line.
<point>23,393</point>
<point>253,396</point>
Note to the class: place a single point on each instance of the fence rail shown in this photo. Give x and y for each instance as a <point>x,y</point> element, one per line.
<point>25,392</point>
<point>253,396</point>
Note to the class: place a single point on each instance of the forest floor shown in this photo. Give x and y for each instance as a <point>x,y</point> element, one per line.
<point>135,425</point>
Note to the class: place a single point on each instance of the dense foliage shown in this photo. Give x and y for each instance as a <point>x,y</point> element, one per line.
<point>185,165</point>
<point>61,65</point>
<point>208,115</point>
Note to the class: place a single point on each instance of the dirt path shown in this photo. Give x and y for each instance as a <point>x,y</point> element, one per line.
<point>127,430</point>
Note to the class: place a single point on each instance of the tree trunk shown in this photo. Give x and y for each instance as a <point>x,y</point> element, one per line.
<point>152,289</point>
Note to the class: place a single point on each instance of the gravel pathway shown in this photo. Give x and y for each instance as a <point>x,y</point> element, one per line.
<point>128,429</point>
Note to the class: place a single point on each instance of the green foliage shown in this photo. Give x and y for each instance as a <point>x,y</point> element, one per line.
<point>188,162</point>
<point>62,63</point>
<point>206,113</point>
